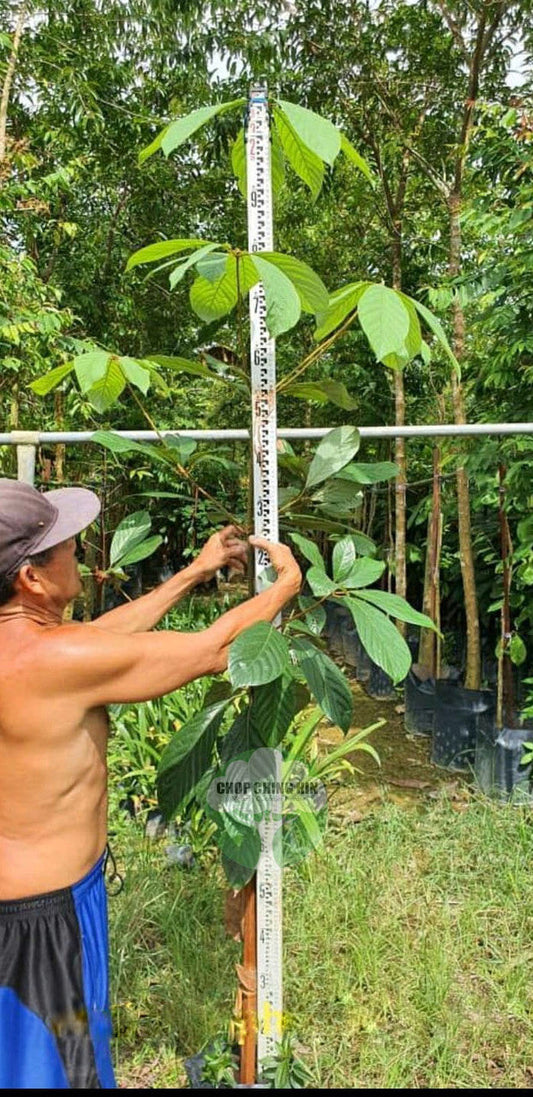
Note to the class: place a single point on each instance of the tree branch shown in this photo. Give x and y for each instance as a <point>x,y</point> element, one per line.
<point>454,29</point>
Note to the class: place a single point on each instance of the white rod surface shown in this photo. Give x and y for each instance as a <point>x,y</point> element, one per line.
<point>297,433</point>
<point>265,485</point>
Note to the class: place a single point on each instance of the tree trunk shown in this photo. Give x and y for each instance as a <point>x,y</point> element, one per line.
<point>466,554</point>
<point>8,79</point>
<point>429,649</point>
<point>60,449</point>
<point>505,712</point>
<point>248,986</point>
<point>400,567</point>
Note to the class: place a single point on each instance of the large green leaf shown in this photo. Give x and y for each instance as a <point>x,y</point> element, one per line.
<point>397,607</point>
<point>315,615</point>
<point>213,266</point>
<point>240,846</point>
<point>237,876</point>
<point>182,447</point>
<point>308,549</point>
<point>341,304</point>
<point>338,496</point>
<point>153,146</point>
<point>316,523</point>
<point>344,557</point>
<point>307,165</point>
<point>51,380</point>
<point>141,552</point>
<point>348,149</point>
<point>213,300</point>
<point>238,162</point>
<point>412,345</point>
<point>135,373</point>
<point>116,444</point>
<point>181,269</point>
<point>108,387</point>
<point>273,707</point>
<point>182,128</point>
<point>363,572</point>
<point>320,583</point>
<point>319,134</point>
<point>241,737</point>
<point>413,342</point>
<point>436,327</point>
<point>277,162</point>
<point>322,392</point>
<point>257,656</point>
<point>334,452</point>
<point>129,533</point>
<point>187,756</point>
<point>184,365</point>
<point>380,638</point>
<point>384,319</point>
<point>361,473</point>
<point>282,301</point>
<point>326,682</point>
<point>90,368</point>
<point>157,380</point>
<point>163,249</point>
<point>309,287</point>
<point>364,546</point>
<point>246,272</point>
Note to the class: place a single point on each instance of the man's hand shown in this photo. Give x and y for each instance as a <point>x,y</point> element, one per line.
<point>282,561</point>
<point>222,550</point>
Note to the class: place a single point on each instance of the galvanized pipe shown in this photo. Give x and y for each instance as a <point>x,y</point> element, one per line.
<point>290,433</point>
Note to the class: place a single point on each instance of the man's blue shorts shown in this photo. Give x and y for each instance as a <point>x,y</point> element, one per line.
<point>55,1025</point>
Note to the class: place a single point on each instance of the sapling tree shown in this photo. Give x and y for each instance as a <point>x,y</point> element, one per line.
<point>280,683</point>
<point>325,489</point>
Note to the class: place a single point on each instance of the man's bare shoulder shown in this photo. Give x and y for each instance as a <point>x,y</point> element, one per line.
<point>67,650</point>
<point>74,639</point>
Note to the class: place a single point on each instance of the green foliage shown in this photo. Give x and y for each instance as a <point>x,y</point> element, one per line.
<point>187,757</point>
<point>334,452</point>
<point>257,656</point>
<point>219,1064</point>
<point>326,682</point>
<point>130,542</point>
<point>285,1070</point>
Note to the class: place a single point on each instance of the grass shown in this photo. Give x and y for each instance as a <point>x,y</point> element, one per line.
<point>407,945</point>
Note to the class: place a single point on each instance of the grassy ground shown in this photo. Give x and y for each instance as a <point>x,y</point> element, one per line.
<point>407,950</point>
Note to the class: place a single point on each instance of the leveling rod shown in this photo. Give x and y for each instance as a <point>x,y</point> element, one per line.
<point>265,489</point>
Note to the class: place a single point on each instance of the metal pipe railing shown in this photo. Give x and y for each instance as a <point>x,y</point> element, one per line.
<point>28,441</point>
<point>434,430</point>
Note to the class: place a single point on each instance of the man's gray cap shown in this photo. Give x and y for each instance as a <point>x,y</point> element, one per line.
<point>31,522</point>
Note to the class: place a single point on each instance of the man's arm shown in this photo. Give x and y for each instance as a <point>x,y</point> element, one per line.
<point>101,667</point>
<point>221,550</point>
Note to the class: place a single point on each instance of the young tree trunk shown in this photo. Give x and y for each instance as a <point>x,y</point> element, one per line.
<point>466,554</point>
<point>8,78</point>
<point>505,711</point>
<point>248,986</point>
<point>60,449</point>
<point>400,567</point>
<point>429,649</point>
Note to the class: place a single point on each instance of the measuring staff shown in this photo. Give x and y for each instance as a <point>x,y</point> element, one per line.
<point>55,681</point>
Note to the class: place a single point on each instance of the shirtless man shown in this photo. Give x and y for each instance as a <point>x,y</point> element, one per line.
<point>55,681</point>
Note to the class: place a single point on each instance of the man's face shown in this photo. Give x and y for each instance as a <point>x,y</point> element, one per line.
<point>60,577</point>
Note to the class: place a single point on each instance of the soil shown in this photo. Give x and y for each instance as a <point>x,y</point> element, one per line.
<point>406,775</point>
